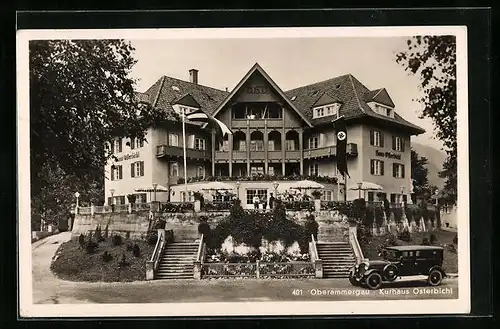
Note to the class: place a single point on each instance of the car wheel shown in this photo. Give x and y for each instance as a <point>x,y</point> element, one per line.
<point>374,281</point>
<point>435,278</point>
<point>390,272</point>
<point>353,280</point>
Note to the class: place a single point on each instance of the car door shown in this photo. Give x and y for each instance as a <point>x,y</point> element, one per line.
<point>407,266</point>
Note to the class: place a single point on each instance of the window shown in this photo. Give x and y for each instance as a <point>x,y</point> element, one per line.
<point>118,145</point>
<point>173,140</point>
<point>270,171</point>
<point>243,146</point>
<point>327,110</point>
<point>224,147</point>
<point>376,138</point>
<point>290,145</point>
<point>174,169</point>
<point>398,170</point>
<point>186,197</point>
<point>398,143</point>
<point>327,195</point>
<point>252,193</point>
<point>141,198</point>
<point>313,169</point>
<point>377,167</point>
<point>200,171</point>
<point>313,142</point>
<point>270,145</point>
<point>117,172</point>
<point>119,199</point>
<point>257,145</point>
<point>371,196</point>
<point>256,170</point>
<point>199,144</point>
<point>137,169</point>
<point>136,143</point>
<point>395,198</point>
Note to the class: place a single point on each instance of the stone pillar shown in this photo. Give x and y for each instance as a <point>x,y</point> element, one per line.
<point>374,229</point>
<point>318,269</point>
<point>257,269</point>
<point>301,152</point>
<point>129,208</point>
<point>150,272</point>
<point>92,209</point>
<point>317,205</point>
<point>197,205</point>
<point>197,270</point>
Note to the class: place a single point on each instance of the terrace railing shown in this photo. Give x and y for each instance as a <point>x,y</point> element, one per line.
<point>353,241</point>
<point>152,264</point>
<point>229,270</point>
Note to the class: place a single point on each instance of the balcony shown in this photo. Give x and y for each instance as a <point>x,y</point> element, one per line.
<point>274,155</point>
<point>351,149</point>
<point>292,155</point>
<point>166,151</point>
<point>257,123</point>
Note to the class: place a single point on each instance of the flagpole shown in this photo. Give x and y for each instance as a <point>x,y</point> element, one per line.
<point>184,152</point>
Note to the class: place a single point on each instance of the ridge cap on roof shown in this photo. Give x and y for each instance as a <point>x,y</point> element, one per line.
<point>194,84</point>
<point>319,82</point>
<point>354,90</point>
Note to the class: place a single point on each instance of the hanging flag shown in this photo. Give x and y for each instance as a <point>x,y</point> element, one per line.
<point>200,116</point>
<point>341,129</point>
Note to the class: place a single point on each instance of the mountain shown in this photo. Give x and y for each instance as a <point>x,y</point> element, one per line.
<point>436,158</point>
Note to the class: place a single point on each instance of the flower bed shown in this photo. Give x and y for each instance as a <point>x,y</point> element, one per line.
<point>217,206</point>
<point>324,179</point>
<point>286,270</point>
<point>171,207</point>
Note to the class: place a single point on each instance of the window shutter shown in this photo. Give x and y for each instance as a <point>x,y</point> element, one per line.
<point>191,142</point>
<point>381,168</point>
<point>402,171</point>
<point>371,137</point>
<point>141,165</point>
<point>393,198</point>
<point>402,144</point>
<point>394,170</point>
<point>132,143</point>
<point>381,139</point>
<point>112,147</point>
<point>393,142</point>
<point>119,145</point>
<point>132,171</point>
<point>112,173</point>
<point>372,167</point>
<point>121,172</point>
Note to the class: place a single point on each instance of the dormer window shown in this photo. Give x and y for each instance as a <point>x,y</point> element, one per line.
<point>179,109</point>
<point>382,109</point>
<point>326,110</point>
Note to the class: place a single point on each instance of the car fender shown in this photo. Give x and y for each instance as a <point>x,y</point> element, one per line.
<point>370,271</point>
<point>439,268</point>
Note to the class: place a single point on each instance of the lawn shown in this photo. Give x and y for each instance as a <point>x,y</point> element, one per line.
<point>444,238</point>
<point>73,263</point>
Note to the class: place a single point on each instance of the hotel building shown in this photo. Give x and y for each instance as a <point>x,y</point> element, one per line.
<point>275,132</point>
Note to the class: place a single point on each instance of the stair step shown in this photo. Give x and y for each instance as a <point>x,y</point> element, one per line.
<point>166,277</point>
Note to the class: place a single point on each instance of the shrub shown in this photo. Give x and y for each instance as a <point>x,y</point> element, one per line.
<point>204,228</point>
<point>106,231</point>
<point>433,239</point>
<point>81,240</point>
<point>123,262</point>
<point>136,250</point>
<point>358,209</point>
<point>316,194</point>
<point>107,257</point>
<point>160,224</point>
<point>455,239</point>
<point>98,234</point>
<point>405,236</point>
<point>152,237</point>
<point>364,233</point>
<point>91,246</point>
<point>117,240</point>
<point>425,242</point>
<point>311,227</point>
<point>131,198</point>
<point>127,235</point>
<point>129,247</point>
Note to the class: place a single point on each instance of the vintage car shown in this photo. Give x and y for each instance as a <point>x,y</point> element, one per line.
<point>398,261</point>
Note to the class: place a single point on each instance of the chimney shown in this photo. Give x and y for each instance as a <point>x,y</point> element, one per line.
<point>193,76</point>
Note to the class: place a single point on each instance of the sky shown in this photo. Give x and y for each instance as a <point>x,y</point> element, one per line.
<point>290,62</point>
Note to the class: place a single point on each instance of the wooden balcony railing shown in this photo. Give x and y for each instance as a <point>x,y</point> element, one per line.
<point>177,152</point>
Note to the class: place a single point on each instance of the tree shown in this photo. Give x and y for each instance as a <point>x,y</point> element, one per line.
<point>433,60</point>
<point>81,97</point>
<point>419,173</point>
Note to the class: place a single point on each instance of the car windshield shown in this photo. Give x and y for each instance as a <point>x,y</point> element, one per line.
<point>389,255</point>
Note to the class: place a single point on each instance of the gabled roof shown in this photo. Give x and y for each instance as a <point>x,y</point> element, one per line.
<point>187,100</point>
<point>258,68</point>
<point>351,93</point>
<point>326,99</point>
<point>380,96</point>
<point>166,91</point>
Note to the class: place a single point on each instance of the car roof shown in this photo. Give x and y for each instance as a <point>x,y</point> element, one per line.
<point>414,247</point>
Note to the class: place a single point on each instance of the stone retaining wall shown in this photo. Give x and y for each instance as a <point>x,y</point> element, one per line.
<point>332,227</point>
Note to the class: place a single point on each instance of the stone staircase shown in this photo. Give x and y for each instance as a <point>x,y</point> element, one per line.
<point>177,261</point>
<point>337,258</point>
